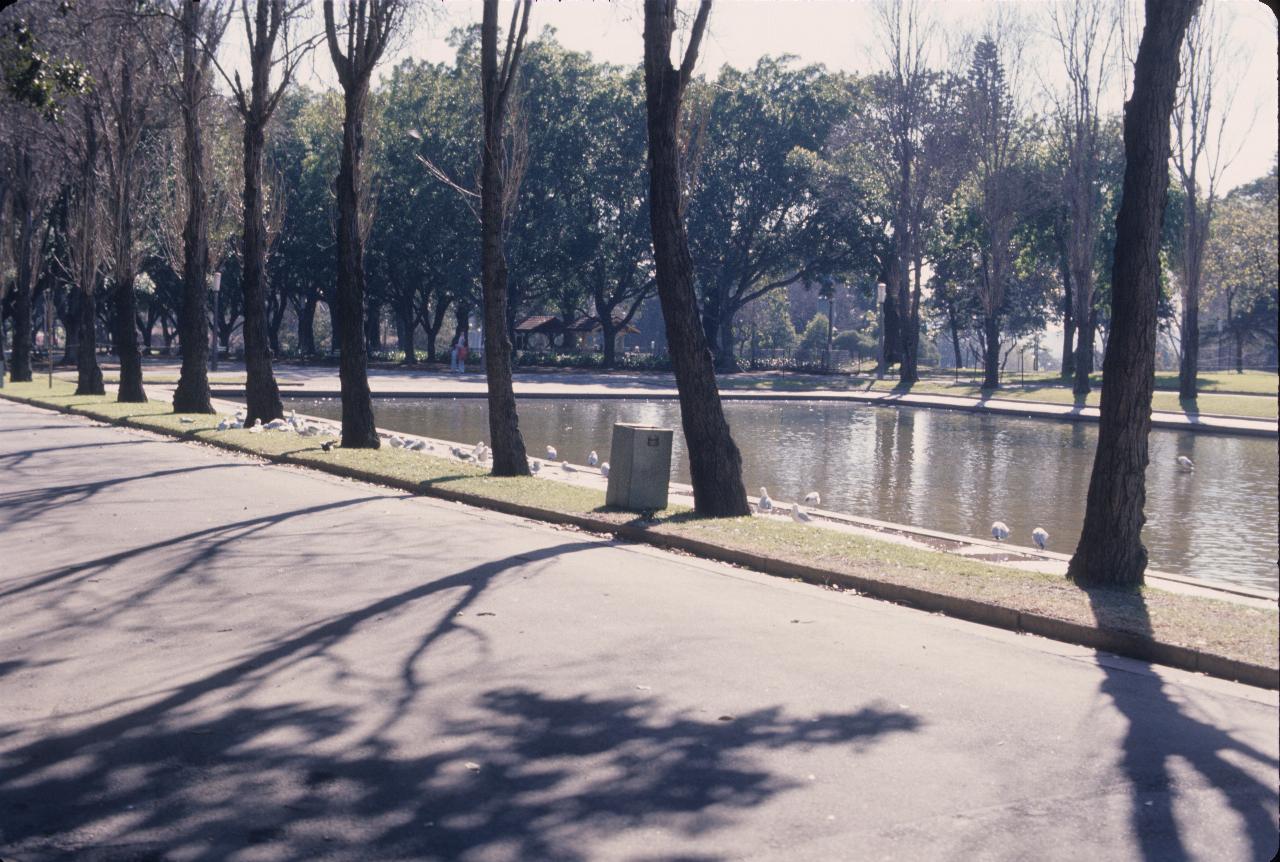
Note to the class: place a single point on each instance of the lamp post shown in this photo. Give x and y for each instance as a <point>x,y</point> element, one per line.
<point>216,287</point>
<point>880,363</point>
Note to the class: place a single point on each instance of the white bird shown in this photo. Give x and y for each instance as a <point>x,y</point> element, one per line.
<point>1040,536</point>
<point>397,442</point>
<point>240,416</point>
<point>1185,464</point>
<point>257,426</point>
<point>186,420</point>
<point>417,445</point>
<point>224,424</point>
<point>534,465</point>
<point>813,498</point>
<point>593,459</point>
<point>604,469</point>
<point>276,425</point>
<point>236,424</point>
<point>567,467</point>
<point>460,454</point>
<point>999,531</point>
<point>551,454</point>
<point>766,505</point>
<point>799,515</point>
<point>308,429</point>
<point>480,451</point>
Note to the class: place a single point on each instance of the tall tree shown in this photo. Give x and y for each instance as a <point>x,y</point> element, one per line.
<point>1199,119</point>
<point>200,27</point>
<point>84,247</point>
<point>127,84</point>
<point>1110,551</point>
<point>1085,33</point>
<point>356,47</point>
<point>715,465</point>
<point>999,180</point>
<point>267,33</point>
<point>497,81</point>
<point>34,180</point>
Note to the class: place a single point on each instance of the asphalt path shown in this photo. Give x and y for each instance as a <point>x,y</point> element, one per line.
<point>205,657</point>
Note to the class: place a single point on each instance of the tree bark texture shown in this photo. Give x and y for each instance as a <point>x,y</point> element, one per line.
<point>126,304</point>
<point>1110,552</point>
<point>1189,367</point>
<point>509,456</point>
<point>358,429</point>
<point>192,392</point>
<point>88,374</point>
<point>715,465</point>
<point>27,253</point>
<point>262,395</point>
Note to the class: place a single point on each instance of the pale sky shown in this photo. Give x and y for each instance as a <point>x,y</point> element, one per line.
<point>842,34</point>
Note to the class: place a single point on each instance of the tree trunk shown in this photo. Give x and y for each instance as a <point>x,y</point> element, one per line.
<point>307,326</point>
<point>262,395</point>
<point>1189,367</point>
<point>608,343</point>
<point>715,465</point>
<point>192,392</point>
<point>408,323</point>
<point>432,328</point>
<point>726,358</point>
<point>28,254</point>
<point>1239,351</point>
<point>509,456</point>
<point>1084,337</point>
<point>358,429</point>
<point>126,303</point>
<point>1068,319</point>
<point>991,352</point>
<point>1110,551</point>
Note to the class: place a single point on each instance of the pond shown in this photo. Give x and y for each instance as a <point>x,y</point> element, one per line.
<point>939,469</point>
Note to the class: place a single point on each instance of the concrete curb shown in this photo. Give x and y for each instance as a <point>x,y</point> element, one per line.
<point>971,610</point>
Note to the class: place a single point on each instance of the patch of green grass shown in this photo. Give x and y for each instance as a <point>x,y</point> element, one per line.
<point>1038,389</point>
<point>1223,628</point>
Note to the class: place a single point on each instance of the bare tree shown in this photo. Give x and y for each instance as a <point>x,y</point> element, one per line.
<point>267,26</point>
<point>497,82</point>
<point>84,246</point>
<point>356,47</point>
<point>200,29</point>
<point>999,149</point>
<point>34,181</point>
<point>905,100</point>
<point>1110,551</point>
<point>127,85</point>
<point>1086,35</point>
<point>1199,119</point>
<point>715,465</point>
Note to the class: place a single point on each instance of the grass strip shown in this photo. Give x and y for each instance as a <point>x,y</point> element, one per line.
<point>1204,626</point>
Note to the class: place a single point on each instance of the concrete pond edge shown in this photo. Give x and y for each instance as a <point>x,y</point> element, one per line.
<point>970,610</point>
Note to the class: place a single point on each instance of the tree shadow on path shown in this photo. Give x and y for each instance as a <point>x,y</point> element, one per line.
<point>217,765</point>
<point>1161,733</point>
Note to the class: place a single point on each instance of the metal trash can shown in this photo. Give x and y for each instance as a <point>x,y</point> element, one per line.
<point>639,467</point>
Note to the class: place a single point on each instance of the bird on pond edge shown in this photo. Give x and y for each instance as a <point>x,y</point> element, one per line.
<point>1041,537</point>
<point>999,531</point>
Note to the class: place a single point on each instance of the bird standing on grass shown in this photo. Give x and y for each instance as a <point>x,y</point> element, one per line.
<point>800,516</point>
<point>766,505</point>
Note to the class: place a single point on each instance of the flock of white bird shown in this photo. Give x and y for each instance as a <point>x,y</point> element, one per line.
<point>480,453</point>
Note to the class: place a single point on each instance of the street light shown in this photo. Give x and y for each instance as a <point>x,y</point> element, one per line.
<point>216,287</point>
<point>880,291</point>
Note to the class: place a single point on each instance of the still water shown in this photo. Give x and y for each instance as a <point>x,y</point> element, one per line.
<point>944,470</point>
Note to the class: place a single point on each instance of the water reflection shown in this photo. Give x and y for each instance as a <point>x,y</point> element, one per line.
<point>945,470</point>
